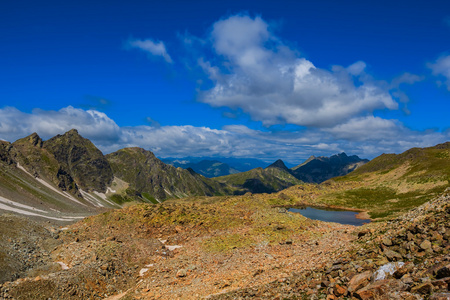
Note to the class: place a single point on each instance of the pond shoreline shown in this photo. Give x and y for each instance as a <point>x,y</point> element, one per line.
<point>362,215</point>
<point>345,217</point>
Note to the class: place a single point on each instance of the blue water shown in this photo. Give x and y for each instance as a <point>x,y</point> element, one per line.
<point>337,216</point>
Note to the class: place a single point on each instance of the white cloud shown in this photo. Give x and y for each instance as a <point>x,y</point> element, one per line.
<point>151,47</point>
<point>357,68</point>
<point>254,71</point>
<point>366,128</point>
<point>366,137</point>
<point>441,67</point>
<point>94,125</point>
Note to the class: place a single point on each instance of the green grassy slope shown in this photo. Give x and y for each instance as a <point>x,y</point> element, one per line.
<point>268,180</point>
<point>389,184</point>
<point>152,179</point>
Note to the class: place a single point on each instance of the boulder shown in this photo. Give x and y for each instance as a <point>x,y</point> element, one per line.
<point>359,281</point>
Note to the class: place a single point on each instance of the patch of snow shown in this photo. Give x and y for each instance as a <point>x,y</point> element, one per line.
<point>72,197</point>
<point>103,196</point>
<point>171,248</point>
<point>110,190</point>
<point>91,199</point>
<point>48,185</point>
<point>9,202</point>
<point>388,268</point>
<point>162,241</point>
<point>23,169</point>
<point>28,213</point>
<point>63,265</point>
<point>167,192</point>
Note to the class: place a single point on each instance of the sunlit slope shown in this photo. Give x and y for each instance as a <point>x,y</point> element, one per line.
<point>23,193</point>
<point>58,179</point>
<point>388,184</point>
<point>154,180</point>
<point>275,177</point>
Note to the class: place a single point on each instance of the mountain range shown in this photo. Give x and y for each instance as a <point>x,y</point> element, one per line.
<point>207,168</point>
<point>320,169</point>
<point>216,166</point>
<point>221,247</point>
<point>273,178</point>
<point>67,175</point>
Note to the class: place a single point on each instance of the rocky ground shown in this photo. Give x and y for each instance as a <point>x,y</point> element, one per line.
<point>25,246</point>
<point>406,258</point>
<point>238,248</point>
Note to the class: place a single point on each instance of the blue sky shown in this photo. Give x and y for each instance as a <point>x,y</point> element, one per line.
<point>261,79</point>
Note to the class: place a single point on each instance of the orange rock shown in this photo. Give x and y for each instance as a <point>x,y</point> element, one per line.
<point>365,294</point>
<point>339,290</point>
<point>359,281</point>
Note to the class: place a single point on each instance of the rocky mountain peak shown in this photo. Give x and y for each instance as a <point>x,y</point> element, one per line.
<point>81,159</point>
<point>319,169</point>
<point>72,131</point>
<point>278,164</point>
<point>33,139</point>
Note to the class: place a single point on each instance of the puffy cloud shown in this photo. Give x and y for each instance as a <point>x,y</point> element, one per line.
<point>254,71</point>
<point>441,67</point>
<point>366,137</point>
<point>93,124</point>
<point>151,47</point>
<point>357,68</point>
<point>366,128</point>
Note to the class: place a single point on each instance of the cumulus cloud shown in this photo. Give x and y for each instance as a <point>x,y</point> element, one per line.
<point>94,125</point>
<point>255,71</point>
<point>441,67</point>
<point>154,48</point>
<point>366,137</point>
<point>366,128</point>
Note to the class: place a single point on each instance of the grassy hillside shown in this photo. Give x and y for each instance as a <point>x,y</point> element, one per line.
<point>154,180</point>
<point>388,184</point>
<point>268,180</point>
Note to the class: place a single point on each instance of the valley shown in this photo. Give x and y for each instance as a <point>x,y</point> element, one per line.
<point>136,228</point>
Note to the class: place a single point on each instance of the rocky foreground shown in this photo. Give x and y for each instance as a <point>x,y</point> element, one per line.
<point>407,258</point>
<point>233,248</point>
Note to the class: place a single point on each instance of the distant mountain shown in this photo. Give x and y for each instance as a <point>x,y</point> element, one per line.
<point>67,177</point>
<point>152,179</point>
<point>279,164</point>
<point>235,164</point>
<point>320,169</point>
<point>394,182</point>
<point>278,176</point>
<point>275,177</point>
<point>207,168</point>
